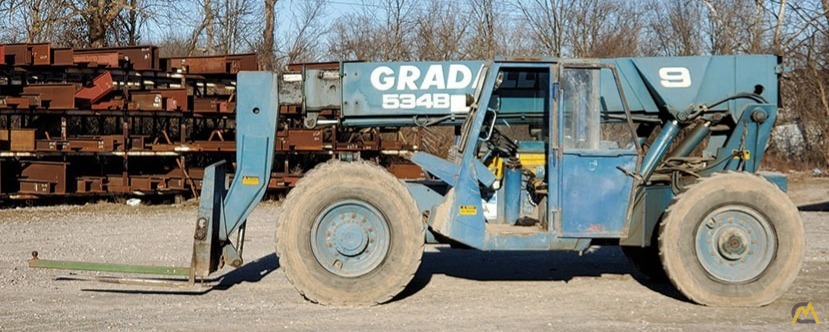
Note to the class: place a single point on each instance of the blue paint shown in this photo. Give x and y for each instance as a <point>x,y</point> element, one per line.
<point>375,89</point>
<point>589,196</point>
<point>206,248</point>
<point>778,179</point>
<point>711,79</point>
<point>749,135</point>
<point>256,118</point>
<point>439,167</point>
<point>659,148</point>
<point>595,193</point>
<point>735,244</point>
<point>512,194</point>
<point>350,238</point>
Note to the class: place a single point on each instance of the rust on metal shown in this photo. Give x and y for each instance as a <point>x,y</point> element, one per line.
<point>147,183</point>
<point>211,105</point>
<point>59,96</point>
<point>317,65</point>
<point>91,184</point>
<point>109,105</point>
<point>300,140</point>
<point>41,54</point>
<point>241,62</point>
<point>19,139</point>
<point>406,170</point>
<point>146,101</point>
<point>18,55</point>
<point>106,59</point>
<point>43,177</point>
<point>213,64</point>
<point>63,57</point>
<point>118,184</point>
<point>141,58</point>
<point>197,64</point>
<point>101,86</point>
<point>174,99</point>
<point>84,144</point>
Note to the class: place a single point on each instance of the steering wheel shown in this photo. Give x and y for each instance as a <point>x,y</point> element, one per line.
<point>501,145</point>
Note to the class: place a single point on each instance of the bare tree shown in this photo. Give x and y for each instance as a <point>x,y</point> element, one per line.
<point>673,28</point>
<point>302,42</point>
<point>267,58</point>
<point>353,37</point>
<point>546,19</point>
<point>439,36</point>
<point>380,32</point>
<point>33,21</point>
<point>396,27</point>
<point>487,25</point>
<point>603,28</point>
<point>98,16</point>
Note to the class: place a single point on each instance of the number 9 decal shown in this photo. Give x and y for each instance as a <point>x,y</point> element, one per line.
<point>675,77</point>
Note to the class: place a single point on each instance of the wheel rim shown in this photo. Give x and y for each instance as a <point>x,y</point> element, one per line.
<point>735,244</point>
<point>350,238</point>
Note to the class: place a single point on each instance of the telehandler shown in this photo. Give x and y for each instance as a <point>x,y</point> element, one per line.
<point>658,155</point>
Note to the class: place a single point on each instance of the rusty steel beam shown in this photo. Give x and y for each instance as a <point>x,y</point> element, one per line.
<point>54,96</point>
<point>174,99</point>
<point>109,105</point>
<point>197,64</point>
<point>300,140</point>
<point>141,58</point>
<point>241,62</point>
<point>43,177</point>
<point>101,86</point>
<point>18,55</point>
<point>213,64</point>
<point>84,144</point>
<point>41,54</point>
<point>209,105</point>
<point>22,140</point>
<point>146,101</point>
<point>406,171</point>
<point>102,59</point>
<point>91,184</point>
<point>63,57</point>
<point>298,67</point>
<point>147,182</point>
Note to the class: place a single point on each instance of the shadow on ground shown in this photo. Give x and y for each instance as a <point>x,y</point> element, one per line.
<point>460,263</point>
<point>529,266</point>
<point>815,207</point>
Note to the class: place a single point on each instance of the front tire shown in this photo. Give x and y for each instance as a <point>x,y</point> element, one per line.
<point>732,239</point>
<point>349,234</point>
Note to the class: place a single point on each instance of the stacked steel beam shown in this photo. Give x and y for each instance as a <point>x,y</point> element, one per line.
<point>112,120</point>
<point>125,121</point>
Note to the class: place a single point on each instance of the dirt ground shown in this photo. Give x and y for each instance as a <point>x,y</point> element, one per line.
<point>453,290</point>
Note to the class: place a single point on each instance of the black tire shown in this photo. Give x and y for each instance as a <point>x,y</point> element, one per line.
<point>335,184</point>
<point>728,269</point>
<point>646,261</point>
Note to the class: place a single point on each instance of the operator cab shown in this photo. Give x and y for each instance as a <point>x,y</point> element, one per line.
<point>556,150</point>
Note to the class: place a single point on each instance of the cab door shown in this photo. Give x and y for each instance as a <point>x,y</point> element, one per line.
<point>594,191</point>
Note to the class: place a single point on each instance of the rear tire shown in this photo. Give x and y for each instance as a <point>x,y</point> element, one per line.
<point>732,239</point>
<point>349,234</point>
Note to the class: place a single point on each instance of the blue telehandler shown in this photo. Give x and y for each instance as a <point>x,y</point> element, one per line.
<point>660,156</point>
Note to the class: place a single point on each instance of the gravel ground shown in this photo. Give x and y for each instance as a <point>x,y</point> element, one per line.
<point>453,290</point>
